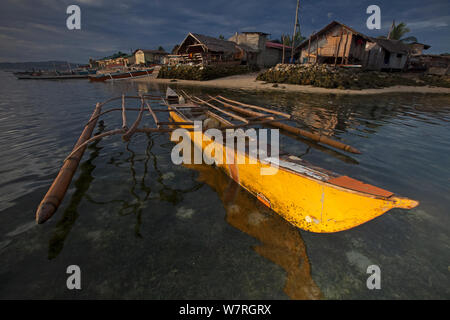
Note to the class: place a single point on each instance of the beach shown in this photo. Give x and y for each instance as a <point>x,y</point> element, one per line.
<point>249,82</point>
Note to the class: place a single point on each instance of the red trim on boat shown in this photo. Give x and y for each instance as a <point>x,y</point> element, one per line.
<point>350,183</point>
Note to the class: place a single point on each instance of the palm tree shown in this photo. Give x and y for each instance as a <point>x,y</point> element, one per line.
<point>398,31</point>
<point>287,40</point>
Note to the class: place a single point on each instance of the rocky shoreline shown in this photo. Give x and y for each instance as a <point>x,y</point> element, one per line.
<point>324,76</point>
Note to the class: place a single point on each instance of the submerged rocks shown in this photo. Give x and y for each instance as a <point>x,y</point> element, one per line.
<point>326,76</point>
<point>201,73</point>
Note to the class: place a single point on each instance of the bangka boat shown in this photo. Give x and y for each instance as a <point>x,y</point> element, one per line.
<point>121,75</point>
<point>51,75</point>
<point>309,197</point>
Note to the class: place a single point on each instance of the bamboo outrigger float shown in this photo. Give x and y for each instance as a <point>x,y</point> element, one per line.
<point>309,197</point>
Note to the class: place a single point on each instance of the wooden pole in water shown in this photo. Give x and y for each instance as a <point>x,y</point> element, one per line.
<point>235,116</point>
<point>288,116</point>
<point>294,130</point>
<point>99,136</point>
<point>155,118</point>
<point>124,114</point>
<point>134,126</point>
<point>55,194</point>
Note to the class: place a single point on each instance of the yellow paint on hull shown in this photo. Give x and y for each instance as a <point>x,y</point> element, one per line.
<point>308,203</point>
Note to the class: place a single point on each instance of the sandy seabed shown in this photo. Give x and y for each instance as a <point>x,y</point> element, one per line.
<point>249,82</point>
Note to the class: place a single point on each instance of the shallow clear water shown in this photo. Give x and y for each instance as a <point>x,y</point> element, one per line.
<point>141,227</point>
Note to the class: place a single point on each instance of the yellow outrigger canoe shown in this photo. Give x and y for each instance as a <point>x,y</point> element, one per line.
<point>311,198</point>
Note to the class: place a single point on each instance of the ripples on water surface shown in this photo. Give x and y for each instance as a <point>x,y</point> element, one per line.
<point>141,227</point>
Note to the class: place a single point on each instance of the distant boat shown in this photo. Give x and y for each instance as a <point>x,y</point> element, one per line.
<point>122,75</point>
<point>54,75</point>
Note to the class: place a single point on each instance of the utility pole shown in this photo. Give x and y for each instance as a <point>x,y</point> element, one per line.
<point>295,30</point>
<point>390,30</point>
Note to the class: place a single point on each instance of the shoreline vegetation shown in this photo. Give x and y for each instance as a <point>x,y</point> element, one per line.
<point>252,81</point>
<point>203,73</point>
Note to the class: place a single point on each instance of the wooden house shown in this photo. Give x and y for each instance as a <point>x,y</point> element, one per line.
<point>200,49</point>
<point>147,57</point>
<point>417,48</point>
<point>385,54</point>
<point>117,60</point>
<point>339,44</point>
<point>336,43</point>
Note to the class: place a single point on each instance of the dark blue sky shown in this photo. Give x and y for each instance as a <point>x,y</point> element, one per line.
<point>32,30</point>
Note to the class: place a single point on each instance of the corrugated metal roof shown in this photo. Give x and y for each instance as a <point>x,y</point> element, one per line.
<point>275,45</point>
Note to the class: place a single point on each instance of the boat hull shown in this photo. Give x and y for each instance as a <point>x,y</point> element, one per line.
<point>121,75</point>
<point>304,196</point>
<point>45,77</point>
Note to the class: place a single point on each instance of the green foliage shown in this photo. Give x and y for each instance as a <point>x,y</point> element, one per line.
<point>287,39</point>
<point>115,55</point>
<point>398,31</point>
<point>160,48</point>
<point>202,73</point>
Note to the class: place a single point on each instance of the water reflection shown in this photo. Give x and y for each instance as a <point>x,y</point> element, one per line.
<point>319,147</point>
<point>281,243</point>
<point>404,139</point>
<point>71,214</point>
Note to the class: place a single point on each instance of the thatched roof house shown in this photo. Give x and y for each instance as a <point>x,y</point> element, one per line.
<point>195,42</point>
<point>197,48</point>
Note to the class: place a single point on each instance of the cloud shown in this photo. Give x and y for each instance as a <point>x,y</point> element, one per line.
<point>31,30</point>
<point>438,22</point>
